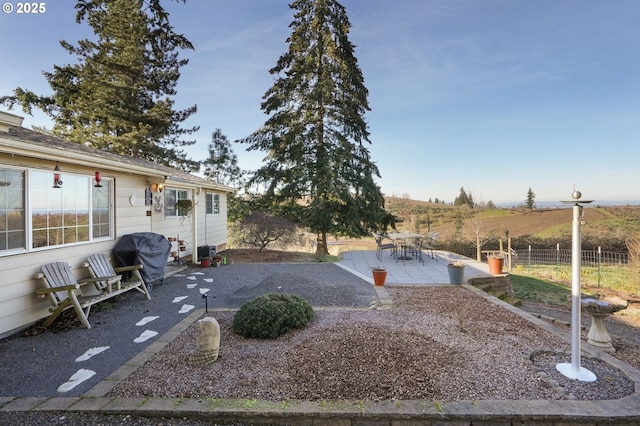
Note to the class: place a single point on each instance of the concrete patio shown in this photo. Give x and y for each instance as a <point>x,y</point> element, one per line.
<point>410,272</point>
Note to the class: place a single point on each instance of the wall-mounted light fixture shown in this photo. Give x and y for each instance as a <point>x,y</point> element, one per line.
<point>98,180</point>
<point>57,183</point>
<point>158,187</point>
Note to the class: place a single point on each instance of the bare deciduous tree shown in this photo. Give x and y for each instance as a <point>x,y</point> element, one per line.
<point>260,230</point>
<point>633,245</point>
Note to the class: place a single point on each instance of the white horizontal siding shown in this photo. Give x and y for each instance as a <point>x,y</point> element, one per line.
<point>19,306</point>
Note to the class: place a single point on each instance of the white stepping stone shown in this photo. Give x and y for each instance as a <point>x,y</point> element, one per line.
<point>179,299</point>
<point>185,309</point>
<point>146,320</point>
<point>91,352</point>
<point>179,275</point>
<point>209,280</point>
<point>192,285</point>
<point>204,290</point>
<point>146,335</point>
<point>192,278</point>
<point>78,377</point>
<point>197,273</point>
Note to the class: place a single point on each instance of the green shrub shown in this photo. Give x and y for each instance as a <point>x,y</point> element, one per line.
<point>271,315</point>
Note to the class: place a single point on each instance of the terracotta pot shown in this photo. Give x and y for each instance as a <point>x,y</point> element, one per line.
<point>379,276</point>
<point>495,265</point>
<point>205,263</point>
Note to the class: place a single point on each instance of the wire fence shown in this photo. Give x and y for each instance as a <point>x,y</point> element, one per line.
<point>598,268</point>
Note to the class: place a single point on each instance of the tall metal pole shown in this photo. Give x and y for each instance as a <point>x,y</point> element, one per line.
<point>574,370</point>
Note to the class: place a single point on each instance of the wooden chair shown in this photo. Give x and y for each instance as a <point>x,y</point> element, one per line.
<point>100,266</point>
<point>62,289</point>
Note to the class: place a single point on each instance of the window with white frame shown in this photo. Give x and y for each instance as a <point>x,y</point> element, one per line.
<point>212,202</point>
<point>34,214</point>
<point>13,227</point>
<point>171,198</point>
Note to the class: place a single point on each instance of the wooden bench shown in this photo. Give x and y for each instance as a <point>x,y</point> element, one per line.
<point>64,291</point>
<point>100,266</point>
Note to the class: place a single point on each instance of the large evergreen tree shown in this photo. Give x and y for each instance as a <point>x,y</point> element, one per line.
<point>222,164</point>
<point>118,96</point>
<point>318,170</point>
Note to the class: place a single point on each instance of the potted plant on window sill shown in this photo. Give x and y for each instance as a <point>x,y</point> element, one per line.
<point>456,272</point>
<point>184,207</point>
<point>379,275</point>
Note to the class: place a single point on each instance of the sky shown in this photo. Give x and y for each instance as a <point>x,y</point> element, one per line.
<point>496,96</point>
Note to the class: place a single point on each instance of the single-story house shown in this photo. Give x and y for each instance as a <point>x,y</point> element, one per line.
<point>61,201</point>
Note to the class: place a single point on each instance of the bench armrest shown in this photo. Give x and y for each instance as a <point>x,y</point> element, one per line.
<point>128,268</point>
<point>44,291</point>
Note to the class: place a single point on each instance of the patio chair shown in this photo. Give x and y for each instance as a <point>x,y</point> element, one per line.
<point>64,291</point>
<point>414,246</point>
<point>431,243</point>
<point>381,245</point>
<point>100,266</point>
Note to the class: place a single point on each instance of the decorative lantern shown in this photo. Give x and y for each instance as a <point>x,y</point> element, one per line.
<point>57,183</point>
<point>98,180</point>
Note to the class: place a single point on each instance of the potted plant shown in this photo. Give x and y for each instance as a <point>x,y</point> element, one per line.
<point>456,272</point>
<point>495,262</point>
<point>184,207</point>
<point>379,275</point>
<point>205,262</point>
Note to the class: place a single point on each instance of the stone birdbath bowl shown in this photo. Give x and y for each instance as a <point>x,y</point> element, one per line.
<point>599,308</point>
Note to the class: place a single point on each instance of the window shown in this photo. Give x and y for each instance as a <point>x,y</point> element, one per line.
<point>101,210</point>
<point>171,198</point>
<point>212,202</point>
<point>77,212</point>
<point>12,210</point>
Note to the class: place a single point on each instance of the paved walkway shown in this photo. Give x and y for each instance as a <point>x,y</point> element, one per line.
<point>165,300</point>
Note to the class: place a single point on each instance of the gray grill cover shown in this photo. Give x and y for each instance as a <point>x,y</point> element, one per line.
<point>147,249</point>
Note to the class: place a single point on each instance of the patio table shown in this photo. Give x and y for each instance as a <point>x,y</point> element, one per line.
<point>401,238</point>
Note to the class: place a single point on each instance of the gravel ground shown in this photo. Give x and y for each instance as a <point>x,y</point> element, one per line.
<point>430,345</point>
<point>441,344</point>
<point>54,350</point>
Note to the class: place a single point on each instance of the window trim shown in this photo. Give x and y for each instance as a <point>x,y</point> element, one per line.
<point>176,197</point>
<point>215,206</point>
<point>29,192</point>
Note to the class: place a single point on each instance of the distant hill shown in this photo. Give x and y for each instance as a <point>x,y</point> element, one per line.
<point>601,222</point>
<point>558,204</point>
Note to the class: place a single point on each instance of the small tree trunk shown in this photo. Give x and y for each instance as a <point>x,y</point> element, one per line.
<point>321,244</point>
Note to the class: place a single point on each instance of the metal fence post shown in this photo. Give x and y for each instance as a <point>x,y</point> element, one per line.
<point>557,260</point>
<point>599,263</point>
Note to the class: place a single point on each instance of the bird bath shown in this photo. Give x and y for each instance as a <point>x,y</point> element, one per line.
<point>599,309</point>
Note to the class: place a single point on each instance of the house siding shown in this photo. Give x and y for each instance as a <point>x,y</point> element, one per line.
<point>19,305</point>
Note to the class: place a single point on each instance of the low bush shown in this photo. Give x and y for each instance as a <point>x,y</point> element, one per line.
<point>272,315</point>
